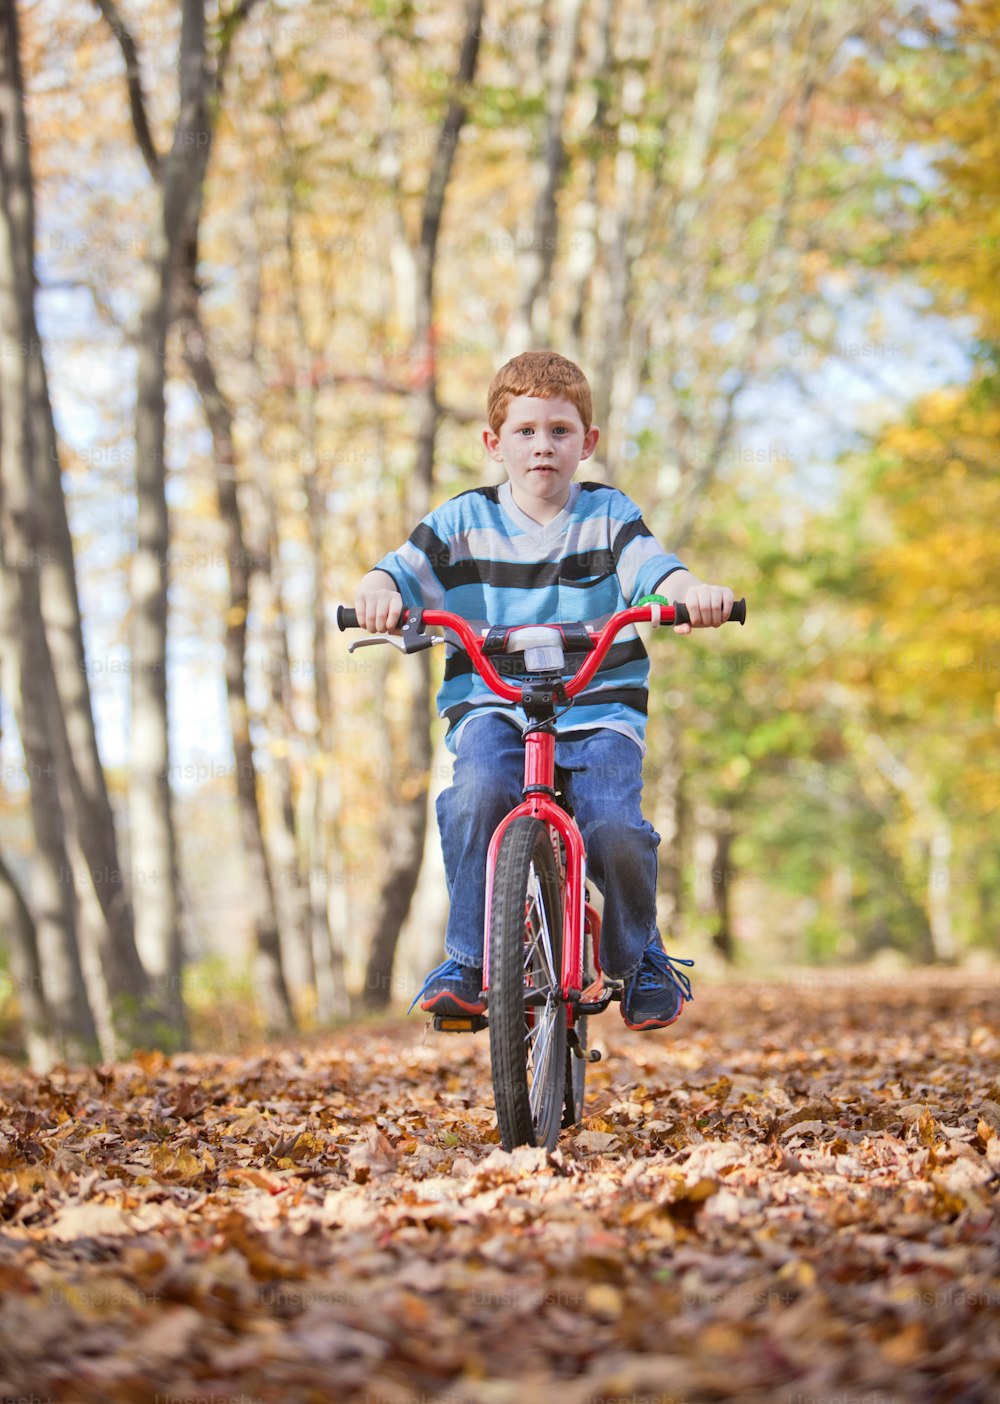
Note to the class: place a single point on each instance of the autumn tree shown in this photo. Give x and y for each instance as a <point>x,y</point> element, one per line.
<point>173,292</point>
<point>73,817</point>
<point>932,480</point>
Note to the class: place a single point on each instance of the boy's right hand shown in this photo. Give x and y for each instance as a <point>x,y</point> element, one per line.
<point>378,603</point>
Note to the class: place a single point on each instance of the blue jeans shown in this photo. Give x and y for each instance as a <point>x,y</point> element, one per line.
<point>604,783</point>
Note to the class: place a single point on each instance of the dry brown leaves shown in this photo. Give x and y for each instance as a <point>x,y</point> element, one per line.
<point>790,1196</point>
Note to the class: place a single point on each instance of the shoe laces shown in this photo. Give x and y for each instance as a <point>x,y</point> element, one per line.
<point>657,965</point>
<point>447,968</point>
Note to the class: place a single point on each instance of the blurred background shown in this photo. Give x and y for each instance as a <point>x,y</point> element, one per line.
<point>278,250</point>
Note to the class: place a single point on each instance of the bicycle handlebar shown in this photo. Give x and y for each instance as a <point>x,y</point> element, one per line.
<point>347,618</point>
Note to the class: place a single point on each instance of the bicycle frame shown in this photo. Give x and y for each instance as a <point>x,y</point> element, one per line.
<point>539,787</point>
<point>539,770</point>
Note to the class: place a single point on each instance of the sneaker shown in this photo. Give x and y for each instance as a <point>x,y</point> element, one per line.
<point>654,996</point>
<point>452,990</point>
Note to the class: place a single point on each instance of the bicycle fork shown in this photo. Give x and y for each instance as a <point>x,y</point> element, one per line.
<point>580,921</point>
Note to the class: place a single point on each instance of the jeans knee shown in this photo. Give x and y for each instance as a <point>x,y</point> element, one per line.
<point>479,797</point>
<point>616,843</point>
<point>483,790</point>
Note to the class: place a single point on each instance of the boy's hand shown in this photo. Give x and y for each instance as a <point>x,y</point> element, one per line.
<point>708,605</point>
<point>378,603</point>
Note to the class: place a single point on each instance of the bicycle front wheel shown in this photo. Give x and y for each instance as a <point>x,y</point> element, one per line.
<point>527,1016</point>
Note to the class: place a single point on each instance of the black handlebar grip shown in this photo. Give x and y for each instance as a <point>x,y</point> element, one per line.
<point>737,616</point>
<point>347,618</point>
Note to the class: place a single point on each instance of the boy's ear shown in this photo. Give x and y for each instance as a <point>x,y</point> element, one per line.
<point>589,442</point>
<point>492,443</point>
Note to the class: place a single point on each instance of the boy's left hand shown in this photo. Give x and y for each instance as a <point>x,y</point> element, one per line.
<point>708,605</point>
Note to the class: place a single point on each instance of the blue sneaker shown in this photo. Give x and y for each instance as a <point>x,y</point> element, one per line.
<point>654,996</point>
<point>452,990</point>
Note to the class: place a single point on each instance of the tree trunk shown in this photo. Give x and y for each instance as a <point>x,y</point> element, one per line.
<point>620,228</point>
<point>271,985</point>
<point>985,930</point>
<point>153,840</point>
<point>87,799</point>
<point>122,972</point>
<point>324,950</point>
<point>261,532</point>
<point>181,178</point>
<point>581,264</point>
<point>289,880</point>
<point>424,930</point>
<point>530,328</point>
<point>126,980</point>
<point>842,904</point>
<point>25,967</point>
<point>409,819</point>
<point>91,928</point>
<point>280,828</point>
<point>31,683</point>
<point>327,929</point>
<point>713,877</point>
<point>668,818</point>
<point>722,876</point>
<point>939,890</point>
<point>402,845</point>
<point>935,832</point>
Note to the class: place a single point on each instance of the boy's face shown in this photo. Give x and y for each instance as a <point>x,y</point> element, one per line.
<point>541,444</point>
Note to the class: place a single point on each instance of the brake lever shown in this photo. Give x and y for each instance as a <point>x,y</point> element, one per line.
<point>377,639</point>
<point>427,641</point>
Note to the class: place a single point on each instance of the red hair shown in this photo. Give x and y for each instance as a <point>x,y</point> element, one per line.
<point>544,374</point>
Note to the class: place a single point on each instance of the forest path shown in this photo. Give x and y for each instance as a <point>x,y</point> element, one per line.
<point>789,1196</point>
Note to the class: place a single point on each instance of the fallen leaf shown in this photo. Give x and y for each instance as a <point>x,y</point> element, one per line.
<point>595,1142</point>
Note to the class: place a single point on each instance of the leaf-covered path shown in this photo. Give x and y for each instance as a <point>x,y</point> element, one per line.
<point>791,1196</point>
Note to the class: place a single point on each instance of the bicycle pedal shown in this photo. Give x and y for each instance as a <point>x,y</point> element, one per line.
<point>597,996</point>
<point>469,1023</point>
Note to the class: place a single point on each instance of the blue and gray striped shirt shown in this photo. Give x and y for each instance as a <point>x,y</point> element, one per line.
<point>481,557</point>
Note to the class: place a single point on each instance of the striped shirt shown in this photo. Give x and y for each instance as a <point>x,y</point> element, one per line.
<point>481,557</point>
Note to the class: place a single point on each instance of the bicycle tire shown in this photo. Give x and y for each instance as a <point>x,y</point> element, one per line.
<point>527,1041</point>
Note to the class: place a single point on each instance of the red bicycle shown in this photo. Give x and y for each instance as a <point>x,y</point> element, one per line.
<point>542,976</point>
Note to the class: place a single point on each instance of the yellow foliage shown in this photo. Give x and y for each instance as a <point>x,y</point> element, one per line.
<point>935,579</point>
<point>960,242</point>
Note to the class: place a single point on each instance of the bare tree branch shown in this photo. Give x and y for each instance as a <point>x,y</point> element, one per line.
<point>133,79</point>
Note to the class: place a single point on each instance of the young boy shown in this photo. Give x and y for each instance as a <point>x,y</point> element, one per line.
<point>542,548</point>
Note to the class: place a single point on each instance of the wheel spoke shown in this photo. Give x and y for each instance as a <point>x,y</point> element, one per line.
<point>538,945</point>
<point>540,975</point>
<point>540,1052</point>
